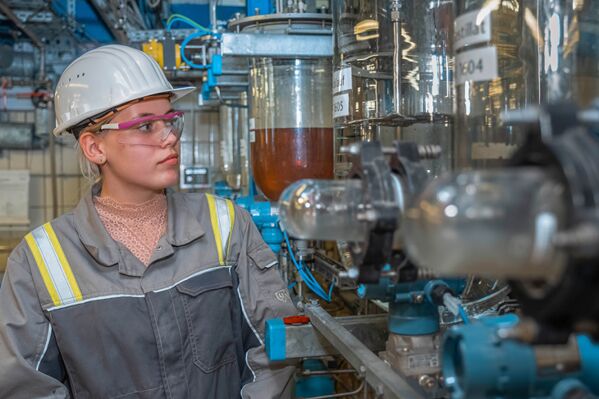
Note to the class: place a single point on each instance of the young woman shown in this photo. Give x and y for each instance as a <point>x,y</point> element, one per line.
<point>139,292</point>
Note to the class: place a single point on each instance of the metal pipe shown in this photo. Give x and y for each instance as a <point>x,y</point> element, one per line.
<point>53,179</point>
<point>5,9</point>
<point>397,53</point>
<point>213,21</point>
<point>42,63</point>
<point>328,372</point>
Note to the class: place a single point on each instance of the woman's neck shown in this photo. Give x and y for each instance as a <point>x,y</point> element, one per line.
<point>127,193</point>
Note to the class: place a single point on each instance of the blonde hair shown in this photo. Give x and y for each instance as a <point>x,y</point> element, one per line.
<point>90,171</point>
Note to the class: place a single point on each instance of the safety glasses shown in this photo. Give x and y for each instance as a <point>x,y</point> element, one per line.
<point>151,130</point>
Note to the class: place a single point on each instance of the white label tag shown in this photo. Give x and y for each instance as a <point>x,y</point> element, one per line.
<point>477,65</point>
<point>470,29</point>
<point>493,150</point>
<point>341,105</point>
<point>424,361</point>
<point>252,136</point>
<point>252,123</point>
<point>342,80</point>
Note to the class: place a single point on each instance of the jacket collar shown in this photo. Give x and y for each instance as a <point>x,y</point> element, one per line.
<point>183,227</point>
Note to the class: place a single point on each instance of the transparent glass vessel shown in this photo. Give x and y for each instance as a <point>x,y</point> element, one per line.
<point>229,146</point>
<point>567,32</point>
<point>324,210</point>
<point>393,67</point>
<point>495,72</point>
<point>496,223</point>
<point>234,155</point>
<point>291,133</point>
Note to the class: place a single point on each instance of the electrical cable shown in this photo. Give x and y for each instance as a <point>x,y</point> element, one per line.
<point>182,18</point>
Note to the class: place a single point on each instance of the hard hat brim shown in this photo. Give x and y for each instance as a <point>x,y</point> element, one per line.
<point>177,94</point>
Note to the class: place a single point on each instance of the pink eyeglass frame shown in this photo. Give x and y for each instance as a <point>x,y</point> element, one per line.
<point>129,124</point>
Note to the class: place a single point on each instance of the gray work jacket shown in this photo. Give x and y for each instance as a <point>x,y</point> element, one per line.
<point>81,317</point>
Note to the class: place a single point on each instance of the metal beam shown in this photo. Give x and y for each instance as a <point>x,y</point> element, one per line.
<point>377,373</point>
<point>304,341</point>
<point>136,36</point>
<point>5,9</point>
<point>102,8</point>
<point>276,45</point>
<point>31,16</point>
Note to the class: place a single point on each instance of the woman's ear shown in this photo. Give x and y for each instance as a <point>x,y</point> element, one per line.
<point>92,147</point>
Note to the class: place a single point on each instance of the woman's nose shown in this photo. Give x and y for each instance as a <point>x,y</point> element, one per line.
<point>170,140</point>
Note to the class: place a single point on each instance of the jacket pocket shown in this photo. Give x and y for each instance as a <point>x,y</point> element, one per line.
<point>263,257</point>
<point>207,301</point>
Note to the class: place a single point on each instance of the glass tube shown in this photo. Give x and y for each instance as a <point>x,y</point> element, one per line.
<point>496,223</point>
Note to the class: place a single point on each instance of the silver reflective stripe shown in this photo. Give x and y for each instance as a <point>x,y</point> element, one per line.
<point>192,276</point>
<point>55,270</point>
<point>247,318</point>
<point>39,362</point>
<point>224,223</point>
<point>98,298</point>
<point>247,362</point>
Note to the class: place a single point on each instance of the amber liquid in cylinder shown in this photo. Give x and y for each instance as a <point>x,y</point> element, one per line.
<point>284,155</point>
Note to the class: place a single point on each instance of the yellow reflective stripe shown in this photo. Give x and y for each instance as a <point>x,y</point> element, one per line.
<point>232,219</point>
<point>41,265</point>
<point>66,267</point>
<point>215,227</point>
<point>53,265</point>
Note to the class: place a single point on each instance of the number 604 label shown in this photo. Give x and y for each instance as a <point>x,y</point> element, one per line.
<point>476,65</point>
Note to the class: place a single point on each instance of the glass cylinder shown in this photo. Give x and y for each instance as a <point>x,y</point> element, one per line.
<point>230,153</point>
<point>291,132</point>
<point>495,72</point>
<point>567,32</point>
<point>393,67</point>
<point>498,223</point>
<point>244,136</point>
<point>234,155</point>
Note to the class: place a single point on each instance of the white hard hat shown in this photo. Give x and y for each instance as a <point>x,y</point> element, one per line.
<point>104,78</point>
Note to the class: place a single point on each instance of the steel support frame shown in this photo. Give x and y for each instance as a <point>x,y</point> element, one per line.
<point>386,382</point>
